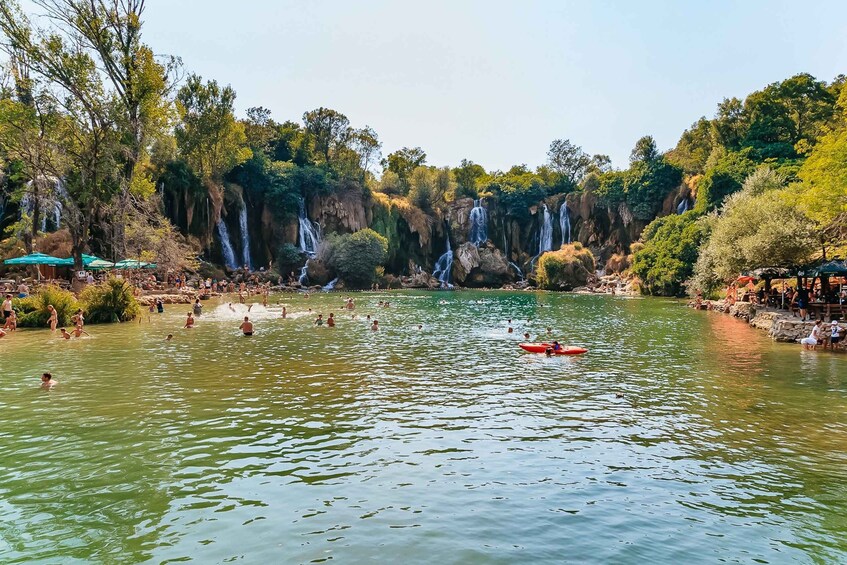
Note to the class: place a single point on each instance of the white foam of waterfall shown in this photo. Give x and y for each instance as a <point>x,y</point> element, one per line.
<point>443,266</point>
<point>310,240</point>
<point>683,206</point>
<point>330,285</point>
<point>545,234</point>
<point>517,269</point>
<point>565,223</point>
<point>226,245</point>
<point>479,224</point>
<point>245,237</point>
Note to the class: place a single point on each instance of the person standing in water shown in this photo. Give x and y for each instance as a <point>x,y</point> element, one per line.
<point>47,380</point>
<point>7,306</point>
<point>320,320</point>
<point>64,334</point>
<point>330,322</point>
<point>198,308</point>
<point>189,321</point>
<point>246,327</point>
<point>284,312</point>
<point>53,321</point>
<point>160,306</point>
<point>375,326</point>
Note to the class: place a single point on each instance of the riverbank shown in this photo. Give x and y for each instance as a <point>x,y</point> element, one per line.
<point>780,325</point>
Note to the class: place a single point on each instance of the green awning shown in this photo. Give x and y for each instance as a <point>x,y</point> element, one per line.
<point>134,264</point>
<point>35,259</point>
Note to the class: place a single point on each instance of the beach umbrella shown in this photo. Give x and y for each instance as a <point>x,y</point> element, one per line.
<point>833,268</point>
<point>99,265</point>
<point>87,260</point>
<point>134,264</point>
<point>743,279</point>
<point>35,259</point>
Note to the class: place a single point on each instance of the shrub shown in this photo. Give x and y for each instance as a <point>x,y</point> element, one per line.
<point>356,256</point>
<point>565,269</point>
<point>111,301</point>
<point>667,258</point>
<point>288,258</point>
<point>32,310</point>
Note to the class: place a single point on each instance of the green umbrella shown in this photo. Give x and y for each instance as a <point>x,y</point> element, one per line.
<point>134,264</point>
<point>87,260</point>
<point>35,259</point>
<point>99,265</point>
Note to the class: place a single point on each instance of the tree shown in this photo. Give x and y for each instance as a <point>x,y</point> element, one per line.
<point>356,257</point>
<point>693,148</point>
<point>329,130</point>
<point>644,151</point>
<point>723,177</point>
<point>467,175</point>
<point>568,160</point>
<point>565,268</point>
<point>403,162</point>
<point>600,164</point>
<point>667,258</point>
<point>208,136</point>
<point>367,145</point>
<point>756,230</point>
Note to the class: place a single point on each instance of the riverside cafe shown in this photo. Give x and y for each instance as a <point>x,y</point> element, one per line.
<point>50,268</point>
<point>825,280</point>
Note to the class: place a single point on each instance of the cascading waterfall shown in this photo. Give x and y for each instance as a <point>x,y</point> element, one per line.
<point>50,204</point>
<point>565,223</point>
<point>444,265</point>
<point>330,285</point>
<point>545,234</point>
<point>226,245</point>
<point>517,269</point>
<point>683,206</point>
<point>310,240</point>
<point>245,237</point>
<point>479,224</point>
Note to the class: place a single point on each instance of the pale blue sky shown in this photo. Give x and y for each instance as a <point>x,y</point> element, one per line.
<point>496,81</point>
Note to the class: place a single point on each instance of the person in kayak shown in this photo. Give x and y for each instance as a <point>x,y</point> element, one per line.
<point>556,346</point>
<point>246,327</point>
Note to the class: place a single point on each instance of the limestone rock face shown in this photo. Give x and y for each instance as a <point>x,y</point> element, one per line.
<point>465,260</point>
<point>318,273</point>
<point>342,212</point>
<point>457,215</point>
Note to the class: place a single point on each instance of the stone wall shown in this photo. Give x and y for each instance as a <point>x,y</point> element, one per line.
<point>779,324</point>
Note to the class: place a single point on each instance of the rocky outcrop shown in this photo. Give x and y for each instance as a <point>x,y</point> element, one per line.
<point>465,260</point>
<point>318,273</point>
<point>343,212</point>
<point>457,215</point>
<point>484,266</point>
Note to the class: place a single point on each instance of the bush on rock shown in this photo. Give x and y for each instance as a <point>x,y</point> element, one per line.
<point>565,269</point>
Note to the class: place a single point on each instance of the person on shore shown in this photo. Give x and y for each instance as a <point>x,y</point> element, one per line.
<point>330,322</point>
<point>53,320</point>
<point>189,321</point>
<point>375,326</point>
<point>23,290</point>
<point>835,334</point>
<point>47,380</point>
<point>198,308</point>
<point>246,327</point>
<point>813,340</point>
<point>802,296</point>
<point>7,306</point>
<point>319,321</point>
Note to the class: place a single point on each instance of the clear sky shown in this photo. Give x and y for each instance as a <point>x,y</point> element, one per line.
<point>496,81</point>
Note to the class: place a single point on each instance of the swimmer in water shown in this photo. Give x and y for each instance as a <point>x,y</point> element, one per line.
<point>170,337</point>
<point>510,330</point>
<point>231,307</point>
<point>64,334</point>
<point>79,331</point>
<point>320,320</point>
<point>526,335</point>
<point>47,380</point>
<point>549,331</point>
<point>375,326</point>
<point>420,326</point>
<point>246,327</point>
<point>189,321</point>
<point>330,322</point>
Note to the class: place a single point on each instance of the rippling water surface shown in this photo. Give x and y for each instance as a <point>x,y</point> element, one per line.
<point>681,437</point>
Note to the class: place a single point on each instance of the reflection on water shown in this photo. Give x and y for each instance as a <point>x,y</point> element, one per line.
<point>681,437</point>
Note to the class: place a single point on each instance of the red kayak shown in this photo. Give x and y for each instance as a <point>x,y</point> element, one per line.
<point>542,348</point>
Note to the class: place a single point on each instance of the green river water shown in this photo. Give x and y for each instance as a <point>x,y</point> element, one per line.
<point>441,445</point>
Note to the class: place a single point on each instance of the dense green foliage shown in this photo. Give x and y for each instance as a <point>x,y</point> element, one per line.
<point>565,269</point>
<point>111,301</point>
<point>356,256</point>
<point>32,310</point>
<point>667,258</point>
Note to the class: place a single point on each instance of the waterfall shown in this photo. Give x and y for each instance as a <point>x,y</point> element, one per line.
<point>565,223</point>
<point>444,265</point>
<point>479,224</point>
<point>330,285</point>
<point>245,237</point>
<point>545,234</point>
<point>683,206</point>
<point>310,240</point>
<point>517,269</point>
<point>226,245</point>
